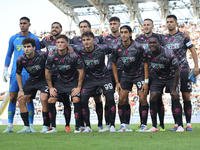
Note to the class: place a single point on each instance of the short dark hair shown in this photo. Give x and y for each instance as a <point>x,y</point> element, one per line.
<point>85,21</point>
<point>62,36</point>
<point>87,33</point>
<point>148,20</point>
<point>25,18</point>
<point>114,19</point>
<point>29,40</point>
<point>172,16</point>
<point>57,23</point>
<point>155,36</point>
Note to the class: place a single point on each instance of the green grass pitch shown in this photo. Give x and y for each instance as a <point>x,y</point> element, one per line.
<point>100,141</point>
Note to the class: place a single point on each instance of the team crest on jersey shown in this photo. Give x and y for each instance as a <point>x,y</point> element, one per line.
<point>33,68</point>
<point>173,46</point>
<point>157,66</point>
<point>127,59</point>
<point>91,62</point>
<point>64,67</point>
<point>19,47</point>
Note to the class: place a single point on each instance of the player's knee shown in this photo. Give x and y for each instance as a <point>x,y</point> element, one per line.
<point>51,100</point>
<point>22,100</point>
<point>44,99</point>
<point>153,98</point>
<point>186,96</point>
<point>76,99</point>
<point>13,98</point>
<point>122,100</point>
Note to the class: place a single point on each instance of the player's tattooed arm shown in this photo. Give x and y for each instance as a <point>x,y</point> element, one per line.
<point>48,77</point>
<point>146,78</point>
<point>194,56</point>
<point>174,93</point>
<point>81,77</point>
<point>19,81</point>
<point>52,90</point>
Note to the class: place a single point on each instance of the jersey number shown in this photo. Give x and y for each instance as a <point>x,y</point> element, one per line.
<point>47,89</point>
<point>108,86</point>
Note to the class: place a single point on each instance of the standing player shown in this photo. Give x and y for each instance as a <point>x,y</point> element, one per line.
<point>15,45</point>
<point>69,80</point>
<point>77,40</point>
<point>110,40</point>
<point>135,70</point>
<point>165,64</point>
<point>34,63</point>
<point>50,45</point>
<point>179,45</point>
<point>85,26</point>
<point>97,76</point>
<point>143,39</point>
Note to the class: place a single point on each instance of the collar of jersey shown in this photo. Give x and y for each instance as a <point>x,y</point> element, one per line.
<point>24,36</point>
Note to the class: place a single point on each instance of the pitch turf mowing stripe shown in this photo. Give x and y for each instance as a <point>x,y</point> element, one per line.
<point>95,140</point>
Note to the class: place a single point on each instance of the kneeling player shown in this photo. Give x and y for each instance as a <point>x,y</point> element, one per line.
<point>134,72</point>
<point>34,63</point>
<point>69,80</point>
<point>165,64</point>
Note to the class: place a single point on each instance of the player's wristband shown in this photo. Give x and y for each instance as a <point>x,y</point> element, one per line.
<point>21,90</point>
<point>146,81</point>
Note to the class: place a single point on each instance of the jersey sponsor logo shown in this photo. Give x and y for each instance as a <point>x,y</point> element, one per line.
<point>17,38</point>
<point>127,59</point>
<point>51,47</point>
<point>91,62</point>
<point>64,67</point>
<point>19,47</point>
<point>33,68</point>
<point>157,66</point>
<point>173,46</point>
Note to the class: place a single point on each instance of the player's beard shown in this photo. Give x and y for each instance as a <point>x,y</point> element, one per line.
<point>56,34</point>
<point>172,29</point>
<point>114,31</point>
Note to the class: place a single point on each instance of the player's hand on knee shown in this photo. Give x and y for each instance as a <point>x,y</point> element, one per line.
<point>20,95</point>
<point>75,91</point>
<point>48,37</point>
<point>5,74</point>
<point>145,88</point>
<point>53,92</point>
<point>175,95</point>
<point>119,87</point>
